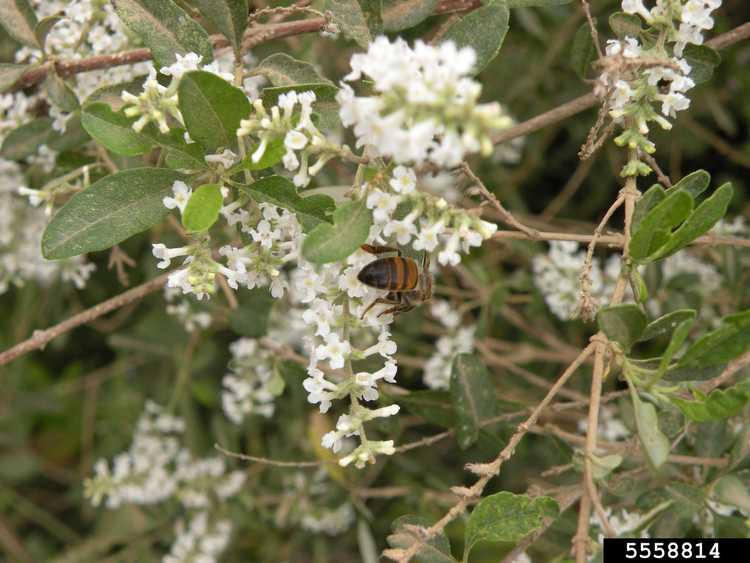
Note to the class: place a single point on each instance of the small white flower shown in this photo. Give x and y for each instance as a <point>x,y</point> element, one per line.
<point>295,140</point>
<point>383,204</point>
<point>404,180</point>
<point>182,193</point>
<point>335,350</point>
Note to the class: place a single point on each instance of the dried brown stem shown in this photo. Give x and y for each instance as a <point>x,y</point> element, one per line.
<point>486,471</point>
<point>42,337</point>
<point>506,215</point>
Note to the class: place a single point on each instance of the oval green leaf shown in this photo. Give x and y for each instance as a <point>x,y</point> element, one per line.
<point>623,324</point>
<point>108,212</point>
<point>212,108</point>
<point>113,130</point>
<point>19,20</point>
<point>26,139</point>
<point>482,29</point>
<point>506,517</point>
<point>331,243</point>
<point>473,397</point>
<point>164,28</point>
<point>229,17</point>
<point>202,209</point>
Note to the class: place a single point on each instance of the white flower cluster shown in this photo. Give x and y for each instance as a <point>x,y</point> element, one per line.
<point>428,223</point>
<point>694,18</point>
<point>458,340</point>
<point>329,521</point>
<point>202,540</point>
<point>557,277</point>
<point>252,383</point>
<point>87,28</point>
<point>275,239</point>
<point>426,104</point>
<point>336,300</point>
<point>313,499</point>
<point>157,103</point>
<point>21,229</point>
<point>623,523</point>
<point>634,78</point>
<point>611,428</point>
<point>185,312</point>
<point>300,136</point>
<point>709,278</point>
<point>157,468</point>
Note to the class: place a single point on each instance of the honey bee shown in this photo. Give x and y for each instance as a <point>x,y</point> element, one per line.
<point>407,285</point>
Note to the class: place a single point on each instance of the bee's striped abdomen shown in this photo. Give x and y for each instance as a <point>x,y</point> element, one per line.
<point>392,274</point>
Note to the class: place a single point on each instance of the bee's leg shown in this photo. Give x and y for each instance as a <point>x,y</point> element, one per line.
<point>374,249</point>
<point>390,299</point>
<point>404,304</point>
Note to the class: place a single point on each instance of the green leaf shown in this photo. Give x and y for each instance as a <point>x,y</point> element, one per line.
<point>473,397</point>
<point>722,345</point>
<point>731,490</point>
<point>19,20</point>
<point>229,17</point>
<point>212,108</point>
<point>250,318</point>
<point>179,154</point>
<point>272,156</point>
<point>282,70</point>
<point>108,212</point>
<point>436,550</point>
<point>44,26</point>
<point>60,94</point>
<point>582,51</point>
<point>331,243</point>
<point>702,60</point>
<point>202,209</point>
<point>9,75</point>
<point>482,29</point>
<point>360,20</point>
<point>164,28</point>
<point>679,336</point>
<point>623,324</point>
<point>625,25</point>
<point>74,137</point>
<point>113,130</point>
<point>506,517</point>
<point>705,216</point>
<point>650,199</point>
<point>694,183</point>
<point>311,211</point>
<point>403,14</point>
<point>653,229</point>
<point>719,404</point>
<point>666,324</point>
<point>655,444</point>
<point>26,139</point>
<point>435,407</point>
<point>111,94</point>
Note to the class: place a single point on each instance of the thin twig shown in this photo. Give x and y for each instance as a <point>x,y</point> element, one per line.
<point>616,240</point>
<point>733,367</point>
<point>266,461</point>
<point>506,215</point>
<point>486,471</point>
<point>41,337</point>
<point>660,175</point>
<point>592,27</point>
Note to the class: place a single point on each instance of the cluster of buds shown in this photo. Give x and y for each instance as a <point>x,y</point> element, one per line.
<point>295,128</point>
